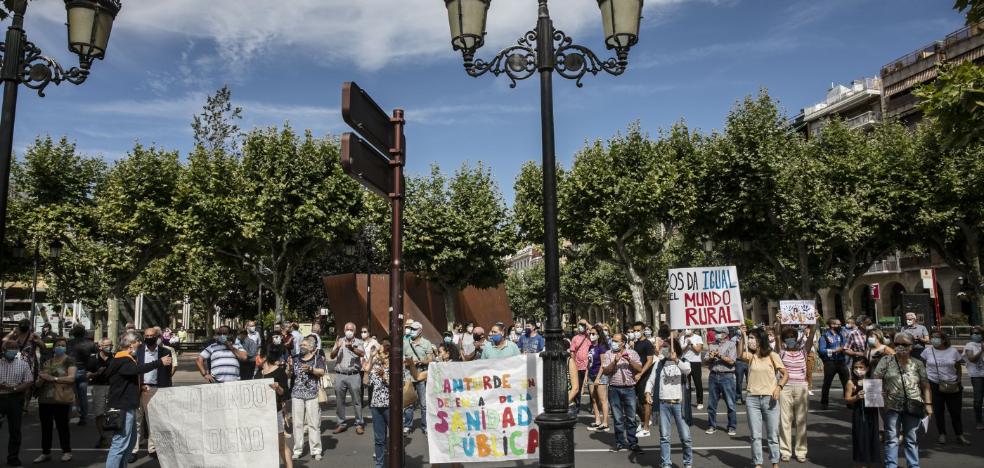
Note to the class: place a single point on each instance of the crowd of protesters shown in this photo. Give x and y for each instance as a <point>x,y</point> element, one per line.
<point>629,378</point>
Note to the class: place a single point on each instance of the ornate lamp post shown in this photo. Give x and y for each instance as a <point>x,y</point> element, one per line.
<point>546,50</point>
<point>89,25</point>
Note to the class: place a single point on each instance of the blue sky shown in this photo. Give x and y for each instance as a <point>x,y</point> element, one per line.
<point>694,60</point>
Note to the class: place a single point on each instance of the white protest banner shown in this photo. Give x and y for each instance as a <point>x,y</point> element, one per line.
<point>483,411</point>
<point>215,425</point>
<point>797,312</point>
<point>873,397</point>
<point>704,297</point>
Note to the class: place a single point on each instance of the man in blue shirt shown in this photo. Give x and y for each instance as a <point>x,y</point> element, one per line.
<point>832,346</point>
<point>531,341</point>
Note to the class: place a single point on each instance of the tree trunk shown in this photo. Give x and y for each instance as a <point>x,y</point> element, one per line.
<point>112,320</point>
<point>450,305</point>
<point>637,284</point>
<point>974,262</point>
<point>278,296</point>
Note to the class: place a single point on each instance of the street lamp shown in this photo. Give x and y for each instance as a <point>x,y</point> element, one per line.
<point>547,50</point>
<point>89,24</point>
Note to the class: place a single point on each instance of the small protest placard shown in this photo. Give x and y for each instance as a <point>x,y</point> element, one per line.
<point>873,397</point>
<point>483,411</point>
<point>704,297</point>
<point>797,312</point>
<point>215,425</point>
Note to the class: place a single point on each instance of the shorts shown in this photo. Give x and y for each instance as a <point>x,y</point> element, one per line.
<point>280,422</point>
<point>100,400</point>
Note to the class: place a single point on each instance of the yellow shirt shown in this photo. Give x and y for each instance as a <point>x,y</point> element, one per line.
<point>762,379</point>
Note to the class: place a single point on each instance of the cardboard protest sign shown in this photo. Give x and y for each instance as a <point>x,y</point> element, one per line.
<point>797,312</point>
<point>215,425</point>
<point>704,297</point>
<point>483,411</point>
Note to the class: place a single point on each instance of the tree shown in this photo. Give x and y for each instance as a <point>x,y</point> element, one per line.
<point>975,9</point>
<point>215,128</point>
<point>133,207</point>
<point>629,198</point>
<point>525,290</point>
<point>955,102</point>
<point>528,203</point>
<point>457,231</point>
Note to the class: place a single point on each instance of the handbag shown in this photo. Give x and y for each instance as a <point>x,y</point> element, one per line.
<point>64,393</point>
<point>409,394</point>
<point>911,407</point>
<point>945,387</point>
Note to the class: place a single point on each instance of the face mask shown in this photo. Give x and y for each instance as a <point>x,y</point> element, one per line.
<point>24,328</point>
<point>528,332</point>
<point>108,349</point>
<point>447,339</point>
<point>593,338</point>
<point>909,322</point>
<point>936,341</point>
<point>406,332</point>
<point>251,329</point>
<point>790,342</point>
<point>306,348</point>
<point>276,339</point>
<point>753,345</point>
<point>349,334</point>
<point>221,338</point>
<point>476,337</point>
<point>496,339</point>
<point>665,352</point>
<point>721,337</point>
<point>580,328</point>
<point>688,332</point>
<point>365,335</point>
<point>616,346</point>
<point>872,341</point>
<point>860,372</point>
<point>414,333</point>
<point>59,351</point>
<point>10,355</point>
<point>976,338</point>
<point>647,332</point>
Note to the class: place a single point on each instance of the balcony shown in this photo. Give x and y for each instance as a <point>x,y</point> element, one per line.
<point>888,265</point>
<point>863,120</point>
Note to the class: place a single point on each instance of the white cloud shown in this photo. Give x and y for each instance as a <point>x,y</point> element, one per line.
<point>366,33</point>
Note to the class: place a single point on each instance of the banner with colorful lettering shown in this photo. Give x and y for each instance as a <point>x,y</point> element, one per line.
<point>797,312</point>
<point>704,297</point>
<point>215,425</point>
<point>483,411</point>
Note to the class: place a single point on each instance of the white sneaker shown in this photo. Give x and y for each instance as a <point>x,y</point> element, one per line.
<point>642,433</point>
<point>66,457</point>
<point>809,392</point>
<point>42,458</point>
<point>963,440</point>
<point>317,457</point>
<point>700,406</point>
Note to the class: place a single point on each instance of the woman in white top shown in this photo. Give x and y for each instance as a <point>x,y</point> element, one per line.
<point>943,370</point>
<point>975,367</point>
<point>668,381</point>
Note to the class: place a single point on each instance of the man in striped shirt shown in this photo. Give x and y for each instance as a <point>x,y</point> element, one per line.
<point>15,379</point>
<point>223,356</point>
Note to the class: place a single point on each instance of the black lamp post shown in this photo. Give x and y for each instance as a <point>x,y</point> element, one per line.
<point>89,25</point>
<point>547,50</point>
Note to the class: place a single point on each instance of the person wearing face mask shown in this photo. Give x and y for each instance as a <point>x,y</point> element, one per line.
<point>908,399</point>
<point>466,340</point>
<point>96,367</point>
<point>48,337</point>
<point>306,370</point>
<point>876,348</point>
<point>721,381</point>
<point>448,352</point>
<point>918,332</point>
<point>580,347</point>
<point>15,379</point>
<point>597,380</point>
<point>498,347</point>
<point>124,394</point>
<point>531,341</point>
<point>347,353</point>
<point>975,368</point>
<point>764,390</point>
<point>667,387</point>
<point>80,348</point>
<point>943,368</point>
<point>418,353</point>
<point>248,367</point>
<point>478,338</point>
<point>151,350</point>
<point>794,400</point>
<point>621,364</point>
<point>55,398</point>
<point>28,343</point>
<point>864,427</point>
<point>647,355</point>
<point>692,345</point>
<point>857,343</point>
<point>832,346</point>
<point>224,358</point>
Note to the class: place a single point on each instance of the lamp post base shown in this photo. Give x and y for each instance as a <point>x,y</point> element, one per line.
<point>556,440</point>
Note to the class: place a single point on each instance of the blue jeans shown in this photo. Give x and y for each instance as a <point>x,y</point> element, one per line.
<point>622,401</point>
<point>741,372</point>
<point>910,426</point>
<point>123,441</point>
<point>421,388</point>
<point>716,385</point>
<point>380,418</point>
<point>82,394</point>
<point>672,413</point>
<point>762,409</point>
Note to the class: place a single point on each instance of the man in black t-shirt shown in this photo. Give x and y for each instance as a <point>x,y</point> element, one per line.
<point>647,355</point>
<point>81,348</point>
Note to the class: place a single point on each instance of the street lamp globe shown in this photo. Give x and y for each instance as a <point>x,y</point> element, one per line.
<point>89,25</point>
<point>620,19</point>
<point>55,248</point>
<point>467,21</point>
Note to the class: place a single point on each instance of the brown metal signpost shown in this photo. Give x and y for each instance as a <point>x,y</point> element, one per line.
<point>377,163</point>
